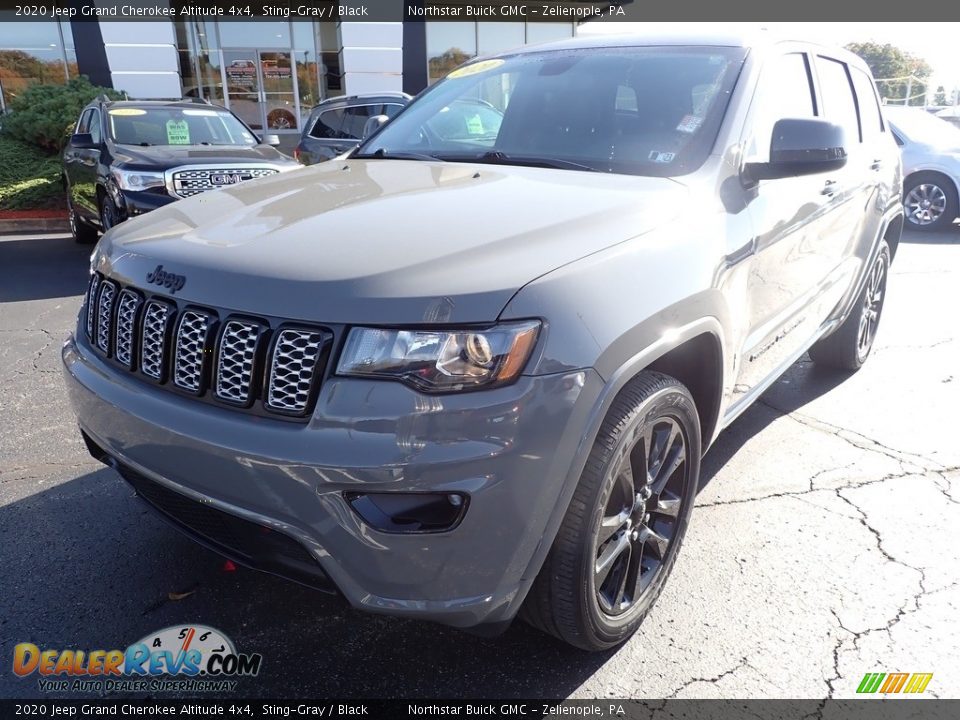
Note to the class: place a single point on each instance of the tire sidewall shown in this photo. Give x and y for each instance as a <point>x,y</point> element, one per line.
<point>674,402</point>
<point>949,191</point>
<point>884,257</point>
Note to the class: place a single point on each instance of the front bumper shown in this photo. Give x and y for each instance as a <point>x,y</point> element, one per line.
<point>132,203</point>
<point>509,449</point>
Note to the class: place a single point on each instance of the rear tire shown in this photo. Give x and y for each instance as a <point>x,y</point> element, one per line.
<point>849,346</point>
<point>930,201</point>
<point>623,529</point>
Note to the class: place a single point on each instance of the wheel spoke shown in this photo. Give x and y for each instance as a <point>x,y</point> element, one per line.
<point>674,460</point>
<point>610,524</point>
<point>669,507</point>
<point>655,541</point>
<point>608,558</point>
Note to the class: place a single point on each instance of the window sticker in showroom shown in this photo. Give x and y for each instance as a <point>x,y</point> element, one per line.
<point>199,658</point>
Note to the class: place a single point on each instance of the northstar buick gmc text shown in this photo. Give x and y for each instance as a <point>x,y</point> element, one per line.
<point>470,370</point>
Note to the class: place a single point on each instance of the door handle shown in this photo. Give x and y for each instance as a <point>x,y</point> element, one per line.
<point>876,164</point>
<point>830,187</point>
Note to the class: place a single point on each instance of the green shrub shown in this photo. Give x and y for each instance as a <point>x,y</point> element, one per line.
<point>29,178</point>
<point>41,114</point>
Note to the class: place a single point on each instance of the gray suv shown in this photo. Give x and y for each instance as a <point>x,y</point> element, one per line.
<point>469,371</point>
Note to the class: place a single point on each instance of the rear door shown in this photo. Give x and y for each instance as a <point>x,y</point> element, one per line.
<point>854,219</point>
<point>788,216</point>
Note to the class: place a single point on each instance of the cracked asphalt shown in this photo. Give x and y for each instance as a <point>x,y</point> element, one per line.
<point>825,543</point>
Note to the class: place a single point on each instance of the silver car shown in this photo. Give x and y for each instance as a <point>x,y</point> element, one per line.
<point>930,148</point>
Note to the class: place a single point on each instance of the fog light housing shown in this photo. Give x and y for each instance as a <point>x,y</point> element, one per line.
<point>405,513</point>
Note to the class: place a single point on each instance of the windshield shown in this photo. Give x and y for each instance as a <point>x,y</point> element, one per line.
<point>640,110</point>
<point>176,126</point>
<point>922,127</point>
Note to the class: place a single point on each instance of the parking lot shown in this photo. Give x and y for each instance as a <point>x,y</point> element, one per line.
<point>824,544</point>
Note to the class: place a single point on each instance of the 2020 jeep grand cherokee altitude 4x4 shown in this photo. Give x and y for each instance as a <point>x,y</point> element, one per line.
<point>470,371</point>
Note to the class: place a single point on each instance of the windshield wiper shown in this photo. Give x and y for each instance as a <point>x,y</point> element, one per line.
<point>381,154</point>
<point>497,157</point>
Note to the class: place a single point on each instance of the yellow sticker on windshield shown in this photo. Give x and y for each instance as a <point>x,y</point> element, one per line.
<point>127,111</point>
<point>477,67</point>
<point>178,132</point>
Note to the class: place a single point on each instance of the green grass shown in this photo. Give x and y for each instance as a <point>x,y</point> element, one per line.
<point>29,178</point>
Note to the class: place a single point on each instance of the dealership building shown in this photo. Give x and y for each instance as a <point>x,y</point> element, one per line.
<point>270,73</point>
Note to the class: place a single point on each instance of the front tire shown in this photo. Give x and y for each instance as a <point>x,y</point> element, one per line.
<point>849,346</point>
<point>83,234</point>
<point>621,534</point>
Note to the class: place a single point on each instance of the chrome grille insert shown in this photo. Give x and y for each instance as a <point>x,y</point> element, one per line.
<point>92,303</point>
<point>108,293</point>
<point>156,316</point>
<point>191,347</point>
<point>127,306</point>
<point>295,356</point>
<point>238,347</point>
<point>193,181</point>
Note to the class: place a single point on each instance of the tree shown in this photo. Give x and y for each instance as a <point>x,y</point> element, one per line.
<point>444,63</point>
<point>941,97</point>
<point>891,67</point>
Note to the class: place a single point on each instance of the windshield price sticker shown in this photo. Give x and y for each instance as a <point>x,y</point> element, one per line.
<point>178,132</point>
<point>477,67</point>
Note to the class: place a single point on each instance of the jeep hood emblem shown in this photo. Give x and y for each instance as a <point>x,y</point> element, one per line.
<point>169,280</point>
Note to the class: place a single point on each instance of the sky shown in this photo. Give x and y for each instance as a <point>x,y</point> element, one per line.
<point>937,42</point>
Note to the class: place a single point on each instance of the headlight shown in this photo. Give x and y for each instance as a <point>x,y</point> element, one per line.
<point>441,360</point>
<point>137,179</point>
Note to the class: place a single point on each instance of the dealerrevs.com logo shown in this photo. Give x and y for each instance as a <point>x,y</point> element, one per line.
<point>192,658</point>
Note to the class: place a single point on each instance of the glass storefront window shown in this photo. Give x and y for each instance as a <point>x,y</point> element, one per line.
<point>548,32</point>
<point>308,71</point>
<point>494,37</point>
<point>255,34</point>
<point>34,52</point>
<point>449,44</point>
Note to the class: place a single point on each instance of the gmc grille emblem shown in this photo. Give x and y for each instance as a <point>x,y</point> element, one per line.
<point>169,280</point>
<point>226,178</point>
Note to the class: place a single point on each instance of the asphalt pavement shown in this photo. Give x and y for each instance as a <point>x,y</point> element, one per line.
<point>825,542</point>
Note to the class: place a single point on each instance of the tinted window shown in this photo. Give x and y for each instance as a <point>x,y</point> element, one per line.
<point>784,92</point>
<point>94,125</point>
<point>84,124</point>
<point>390,109</point>
<point>354,118</point>
<point>838,103</point>
<point>328,124</point>
<point>871,119</point>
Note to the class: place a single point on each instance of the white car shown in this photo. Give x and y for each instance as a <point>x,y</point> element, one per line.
<point>931,166</point>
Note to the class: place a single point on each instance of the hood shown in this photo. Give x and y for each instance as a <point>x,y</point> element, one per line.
<point>164,157</point>
<point>384,241</point>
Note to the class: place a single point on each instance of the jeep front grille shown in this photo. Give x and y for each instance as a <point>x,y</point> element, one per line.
<point>108,291</point>
<point>268,367</point>
<point>193,181</point>
<point>156,320</point>
<point>191,346</point>
<point>238,347</point>
<point>295,359</point>
<point>123,340</point>
<point>92,303</point>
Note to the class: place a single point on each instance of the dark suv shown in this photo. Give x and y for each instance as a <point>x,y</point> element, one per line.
<point>127,158</point>
<point>470,370</point>
<point>336,126</point>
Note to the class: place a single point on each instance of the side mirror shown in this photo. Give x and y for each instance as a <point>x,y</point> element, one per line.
<point>83,141</point>
<point>800,147</point>
<point>273,140</point>
<point>373,124</point>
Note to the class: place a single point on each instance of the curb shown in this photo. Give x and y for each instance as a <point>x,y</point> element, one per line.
<point>30,226</point>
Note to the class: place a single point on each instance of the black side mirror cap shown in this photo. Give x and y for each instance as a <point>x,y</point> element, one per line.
<point>83,141</point>
<point>800,146</point>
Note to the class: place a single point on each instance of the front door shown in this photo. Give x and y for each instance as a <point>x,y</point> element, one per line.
<point>262,89</point>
